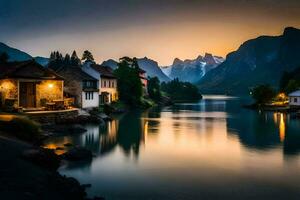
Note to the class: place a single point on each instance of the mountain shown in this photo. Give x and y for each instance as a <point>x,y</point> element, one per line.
<point>18,55</point>
<point>257,61</point>
<point>152,69</point>
<point>14,54</point>
<point>192,70</point>
<point>41,60</point>
<point>110,63</point>
<point>150,66</point>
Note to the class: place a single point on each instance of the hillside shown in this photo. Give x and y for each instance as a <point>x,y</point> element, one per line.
<point>257,61</point>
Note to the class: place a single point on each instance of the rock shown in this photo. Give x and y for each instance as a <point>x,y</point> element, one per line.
<point>68,144</point>
<point>45,158</point>
<point>104,117</point>
<point>77,154</point>
<point>68,187</point>
<point>59,148</point>
<point>65,129</point>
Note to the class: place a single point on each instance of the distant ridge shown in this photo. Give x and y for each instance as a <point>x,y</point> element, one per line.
<point>18,55</point>
<point>257,61</point>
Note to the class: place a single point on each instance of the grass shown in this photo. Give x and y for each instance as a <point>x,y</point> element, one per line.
<point>20,127</point>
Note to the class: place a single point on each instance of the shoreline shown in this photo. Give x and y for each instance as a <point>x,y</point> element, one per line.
<point>34,176</point>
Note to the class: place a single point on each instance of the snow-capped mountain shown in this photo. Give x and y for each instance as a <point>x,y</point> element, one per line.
<point>192,70</point>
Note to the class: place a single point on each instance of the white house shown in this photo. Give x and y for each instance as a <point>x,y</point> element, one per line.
<point>107,81</point>
<point>294,98</point>
<point>81,86</point>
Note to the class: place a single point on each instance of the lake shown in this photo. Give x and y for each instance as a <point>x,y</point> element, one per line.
<point>213,149</point>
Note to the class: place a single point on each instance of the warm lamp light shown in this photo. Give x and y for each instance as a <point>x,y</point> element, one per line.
<point>50,85</point>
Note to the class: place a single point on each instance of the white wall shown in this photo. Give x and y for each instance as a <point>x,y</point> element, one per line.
<point>90,103</point>
<point>292,101</point>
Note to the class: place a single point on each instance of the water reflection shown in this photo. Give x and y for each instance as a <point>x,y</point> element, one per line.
<point>205,149</point>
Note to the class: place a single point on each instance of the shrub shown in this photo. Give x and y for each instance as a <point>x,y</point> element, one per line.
<point>22,128</point>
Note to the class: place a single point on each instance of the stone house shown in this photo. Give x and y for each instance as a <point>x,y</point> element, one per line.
<point>29,85</point>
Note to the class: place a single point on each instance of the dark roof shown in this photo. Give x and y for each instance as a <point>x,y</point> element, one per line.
<point>27,70</point>
<point>76,72</point>
<point>142,71</point>
<point>103,70</point>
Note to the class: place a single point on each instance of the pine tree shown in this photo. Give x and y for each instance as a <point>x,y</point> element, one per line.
<point>74,59</point>
<point>67,60</point>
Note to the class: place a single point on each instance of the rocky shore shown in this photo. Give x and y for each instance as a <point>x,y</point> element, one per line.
<point>29,172</point>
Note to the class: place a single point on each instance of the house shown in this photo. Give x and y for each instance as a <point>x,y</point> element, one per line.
<point>29,85</point>
<point>294,98</point>
<point>144,80</point>
<point>80,86</point>
<point>107,81</point>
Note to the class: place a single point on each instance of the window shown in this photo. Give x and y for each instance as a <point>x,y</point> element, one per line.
<point>89,96</point>
<point>113,84</point>
<point>104,84</point>
<point>295,100</point>
<point>108,83</point>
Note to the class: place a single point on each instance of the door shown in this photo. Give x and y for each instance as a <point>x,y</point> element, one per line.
<point>27,94</point>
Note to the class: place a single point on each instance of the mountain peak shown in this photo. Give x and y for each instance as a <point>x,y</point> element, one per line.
<point>291,30</point>
<point>177,61</point>
<point>209,59</point>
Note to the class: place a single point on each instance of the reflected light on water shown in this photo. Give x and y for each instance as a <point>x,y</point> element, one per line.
<point>282,128</point>
<point>280,120</point>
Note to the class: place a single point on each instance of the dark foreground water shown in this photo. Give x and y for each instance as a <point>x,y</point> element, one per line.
<point>213,149</point>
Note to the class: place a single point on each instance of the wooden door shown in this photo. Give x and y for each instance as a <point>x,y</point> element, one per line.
<point>27,94</point>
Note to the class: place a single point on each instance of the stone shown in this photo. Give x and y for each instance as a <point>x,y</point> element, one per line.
<point>45,158</point>
<point>77,154</point>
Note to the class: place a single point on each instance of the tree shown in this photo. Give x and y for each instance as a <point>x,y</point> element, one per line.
<point>4,57</point>
<point>129,83</point>
<point>263,94</point>
<point>292,86</point>
<point>181,91</point>
<point>75,61</point>
<point>67,60</point>
<point>154,89</point>
<point>87,56</point>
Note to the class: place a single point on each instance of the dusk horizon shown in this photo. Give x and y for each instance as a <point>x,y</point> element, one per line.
<point>149,99</point>
<point>160,31</point>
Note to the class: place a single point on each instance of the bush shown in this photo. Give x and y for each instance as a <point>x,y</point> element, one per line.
<point>263,94</point>
<point>22,128</point>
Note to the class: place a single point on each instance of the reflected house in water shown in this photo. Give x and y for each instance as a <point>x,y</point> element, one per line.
<point>127,132</point>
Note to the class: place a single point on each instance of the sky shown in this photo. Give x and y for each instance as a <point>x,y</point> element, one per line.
<point>158,29</point>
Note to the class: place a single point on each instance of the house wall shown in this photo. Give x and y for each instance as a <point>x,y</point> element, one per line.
<point>109,86</point>
<point>8,89</point>
<point>92,102</point>
<point>294,101</point>
<point>49,90</point>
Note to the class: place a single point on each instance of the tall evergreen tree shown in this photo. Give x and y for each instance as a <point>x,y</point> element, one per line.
<point>67,60</point>
<point>74,59</point>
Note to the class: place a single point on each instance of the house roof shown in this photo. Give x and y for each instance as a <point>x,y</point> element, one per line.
<point>103,70</point>
<point>76,73</point>
<point>295,94</point>
<point>27,70</point>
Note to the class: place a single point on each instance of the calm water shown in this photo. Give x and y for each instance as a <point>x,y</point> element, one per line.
<point>213,149</point>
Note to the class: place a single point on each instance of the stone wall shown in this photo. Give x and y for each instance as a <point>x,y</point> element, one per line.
<point>49,90</point>
<point>52,116</point>
<point>8,89</point>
